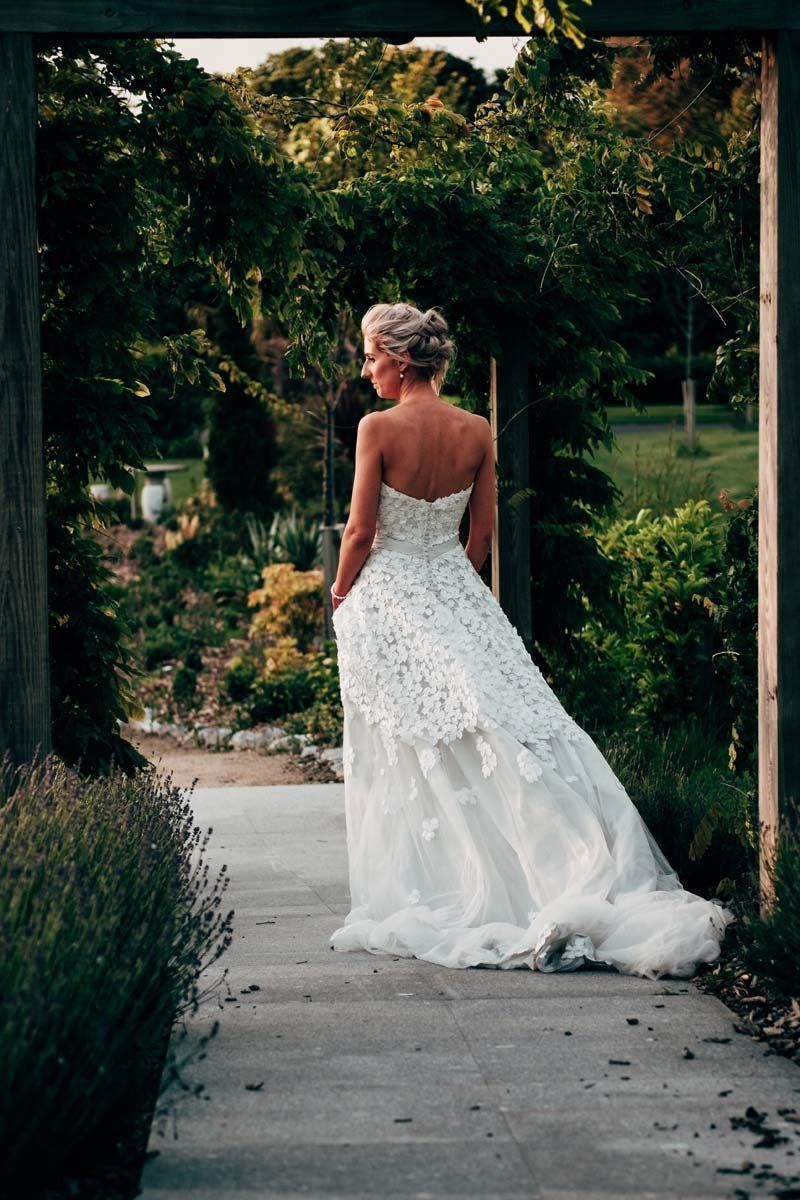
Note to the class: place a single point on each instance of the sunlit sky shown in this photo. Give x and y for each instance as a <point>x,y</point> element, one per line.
<point>226,54</point>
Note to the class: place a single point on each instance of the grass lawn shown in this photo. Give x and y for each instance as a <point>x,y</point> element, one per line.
<point>652,469</point>
<point>707,414</point>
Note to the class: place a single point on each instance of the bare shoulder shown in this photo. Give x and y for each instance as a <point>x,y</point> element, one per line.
<point>370,424</point>
<point>484,429</point>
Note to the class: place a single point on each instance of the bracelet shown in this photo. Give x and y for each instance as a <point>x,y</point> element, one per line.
<point>335,595</point>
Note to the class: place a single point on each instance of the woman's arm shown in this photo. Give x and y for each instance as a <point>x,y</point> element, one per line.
<point>482,504</point>
<point>359,531</point>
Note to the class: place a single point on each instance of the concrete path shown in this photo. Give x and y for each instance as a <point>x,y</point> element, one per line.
<point>382,1077</point>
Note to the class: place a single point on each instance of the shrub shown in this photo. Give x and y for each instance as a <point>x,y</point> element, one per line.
<point>107,918</point>
<point>276,695</point>
<point>184,687</point>
<point>294,540</point>
<point>736,618</point>
<point>289,604</point>
<point>323,719</point>
<point>772,946</point>
<point>289,538</point>
<point>666,477</point>
<point>91,668</point>
<point>300,690</point>
<point>239,677</point>
<point>706,825</point>
<point>667,583</point>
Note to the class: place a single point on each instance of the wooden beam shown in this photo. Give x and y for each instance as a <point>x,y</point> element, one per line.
<point>24,669</point>
<point>779,450</point>
<point>511,539</point>
<point>327,18</point>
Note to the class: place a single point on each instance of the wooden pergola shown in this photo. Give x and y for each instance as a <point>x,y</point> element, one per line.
<point>24,683</point>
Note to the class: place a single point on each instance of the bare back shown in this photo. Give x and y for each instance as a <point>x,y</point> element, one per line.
<point>426,449</point>
<point>431,448</point>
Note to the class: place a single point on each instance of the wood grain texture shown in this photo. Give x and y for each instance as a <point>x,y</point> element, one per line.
<point>24,667</point>
<point>511,541</point>
<point>266,18</point>
<point>779,451</point>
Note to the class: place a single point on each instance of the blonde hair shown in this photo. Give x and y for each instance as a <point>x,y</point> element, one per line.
<point>418,338</point>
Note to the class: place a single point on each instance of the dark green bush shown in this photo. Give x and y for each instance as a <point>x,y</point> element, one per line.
<point>239,679</point>
<point>275,696</point>
<point>323,718</point>
<point>736,618</point>
<point>184,687</point>
<point>107,917</point>
<point>771,946</point>
<point>164,644</point>
<point>91,667</point>
<point>704,819</point>
<point>194,660</point>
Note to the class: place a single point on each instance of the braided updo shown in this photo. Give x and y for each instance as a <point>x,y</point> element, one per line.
<point>418,338</point>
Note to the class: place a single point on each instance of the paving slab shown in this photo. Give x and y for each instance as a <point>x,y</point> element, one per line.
<point>358,1075</point>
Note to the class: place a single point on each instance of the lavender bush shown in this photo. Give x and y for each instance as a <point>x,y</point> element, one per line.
<point>108,915</point>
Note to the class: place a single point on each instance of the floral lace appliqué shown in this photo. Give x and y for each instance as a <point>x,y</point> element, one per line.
<point>430,829</point>
<point>428,759</point>
<point>467,796</point>
<point>488,756</point>
<point>529,768</point>
<point>427,654</point>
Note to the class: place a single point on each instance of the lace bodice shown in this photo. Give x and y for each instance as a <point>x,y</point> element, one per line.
<point>424,522</point>
<point>425,650</point>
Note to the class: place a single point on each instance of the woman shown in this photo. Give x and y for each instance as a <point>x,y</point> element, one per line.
<point>484,827</point>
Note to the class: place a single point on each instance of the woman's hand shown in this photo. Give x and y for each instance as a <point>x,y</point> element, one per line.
<point>337,603</point>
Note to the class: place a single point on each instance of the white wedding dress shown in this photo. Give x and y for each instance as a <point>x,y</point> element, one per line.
<point>484,827</point>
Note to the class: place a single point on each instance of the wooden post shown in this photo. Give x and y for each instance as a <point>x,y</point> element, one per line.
<point>779,450</point>
<point>511,543</point>
<point>689,412</point>
<point>24,665</point>
<point>331,547</point>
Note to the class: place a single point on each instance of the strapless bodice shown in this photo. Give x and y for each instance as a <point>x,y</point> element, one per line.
<point>421,523</point>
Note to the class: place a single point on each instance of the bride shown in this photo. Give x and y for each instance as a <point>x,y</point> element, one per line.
<point>484,827</point>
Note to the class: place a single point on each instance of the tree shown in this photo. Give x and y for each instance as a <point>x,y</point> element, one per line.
<point>135,199</point>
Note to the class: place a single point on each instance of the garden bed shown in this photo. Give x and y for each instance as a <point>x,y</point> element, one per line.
<point>229,768</point>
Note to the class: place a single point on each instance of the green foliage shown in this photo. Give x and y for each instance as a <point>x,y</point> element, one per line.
<point>668,572</point>
<point>665,478</point>
<point>736,619</point>
<point>239,678</point>
<point>292,539</point>
<point>91,670</point>
<point>706,826</point>
<point>322,719</point>
<point>241,447</point>
<point>363,173</point>
<point>184,687</point>
<point>135,202</point>
<point>107,917</point>
<point>303,695</point>
<point>771,946</point>
<point>555,18</point>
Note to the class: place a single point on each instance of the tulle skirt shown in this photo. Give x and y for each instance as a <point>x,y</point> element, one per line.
<point>474,853</point>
